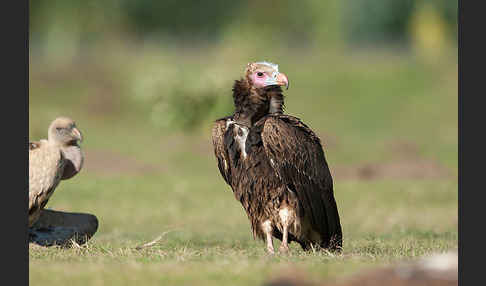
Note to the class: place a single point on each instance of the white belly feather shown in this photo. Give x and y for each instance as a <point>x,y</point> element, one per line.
<point>240,135</point>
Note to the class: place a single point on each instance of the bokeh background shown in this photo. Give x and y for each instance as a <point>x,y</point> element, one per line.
<point>376,79</point>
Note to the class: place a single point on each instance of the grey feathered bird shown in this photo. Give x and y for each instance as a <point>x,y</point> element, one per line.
<point>52,160</point>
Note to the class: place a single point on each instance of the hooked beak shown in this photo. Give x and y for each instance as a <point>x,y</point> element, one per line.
<point>77,134</point>
<point>282,80</point>
<point>279,79</point>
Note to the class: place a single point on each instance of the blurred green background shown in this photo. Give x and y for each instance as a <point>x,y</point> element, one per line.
<point>376,80</point>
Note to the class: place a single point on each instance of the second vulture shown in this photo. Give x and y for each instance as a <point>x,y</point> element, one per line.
<point>52,160</point>
<point>275,165</point>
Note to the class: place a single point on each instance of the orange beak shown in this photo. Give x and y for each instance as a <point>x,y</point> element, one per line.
<point>282,80</point>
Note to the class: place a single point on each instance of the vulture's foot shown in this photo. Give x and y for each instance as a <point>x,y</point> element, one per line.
<point>270,251</point>
<point>284,248</point>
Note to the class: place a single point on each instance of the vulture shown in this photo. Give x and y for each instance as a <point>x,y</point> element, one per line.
<point>52,160</point>
<point>275,165</point>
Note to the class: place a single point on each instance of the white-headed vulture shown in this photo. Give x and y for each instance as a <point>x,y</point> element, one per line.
<point>275,165</point>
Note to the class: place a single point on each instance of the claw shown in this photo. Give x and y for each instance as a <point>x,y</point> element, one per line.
<point>284,248</point>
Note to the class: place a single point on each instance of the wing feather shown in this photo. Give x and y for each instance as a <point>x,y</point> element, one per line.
<point>46,165</point>
<point>34,145</point>
<point>296,155</point>
<point>218,131</point>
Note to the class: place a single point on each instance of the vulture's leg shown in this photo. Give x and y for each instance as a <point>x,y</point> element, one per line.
<point>285,218</point>
<point>267,229</point>
<point>284,246</point>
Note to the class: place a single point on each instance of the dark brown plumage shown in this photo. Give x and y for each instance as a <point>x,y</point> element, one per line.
<point>276,166</point>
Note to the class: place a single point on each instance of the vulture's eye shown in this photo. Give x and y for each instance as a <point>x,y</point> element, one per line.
<point>58,128</point>
<point>260,74</point>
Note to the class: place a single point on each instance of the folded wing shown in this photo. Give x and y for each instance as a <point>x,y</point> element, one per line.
<point>220,151</point>
<point>296,155</point>
<point>46,164</point>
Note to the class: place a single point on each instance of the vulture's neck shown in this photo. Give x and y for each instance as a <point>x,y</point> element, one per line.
<point>251,104</point>
<point>54,143</point>
<point>276,103</point>
<point>74,160</point>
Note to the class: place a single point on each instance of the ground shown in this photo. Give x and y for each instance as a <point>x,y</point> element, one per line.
<point>388,125</point>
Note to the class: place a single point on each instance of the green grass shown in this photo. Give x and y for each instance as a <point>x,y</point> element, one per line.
<point>359,103</point>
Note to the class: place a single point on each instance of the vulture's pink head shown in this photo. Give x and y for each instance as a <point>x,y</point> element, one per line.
<point>63,131</point>
<point>263,74</point>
